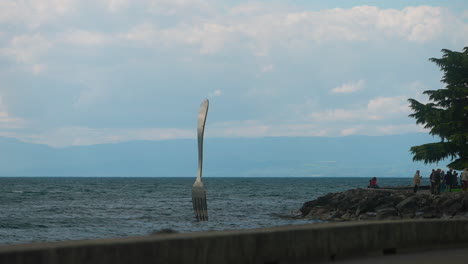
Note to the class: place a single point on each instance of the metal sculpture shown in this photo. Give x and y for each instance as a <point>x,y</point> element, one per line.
<point>198,192</point>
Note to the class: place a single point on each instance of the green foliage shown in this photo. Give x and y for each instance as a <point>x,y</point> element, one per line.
<point>446,114</point>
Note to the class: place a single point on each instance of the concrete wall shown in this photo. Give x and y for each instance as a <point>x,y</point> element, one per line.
<point>287,244</point>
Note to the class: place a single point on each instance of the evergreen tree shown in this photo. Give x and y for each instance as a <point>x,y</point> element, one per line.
<point>446,114</point>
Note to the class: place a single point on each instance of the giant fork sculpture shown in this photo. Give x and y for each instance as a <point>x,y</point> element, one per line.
<point>198,192</point>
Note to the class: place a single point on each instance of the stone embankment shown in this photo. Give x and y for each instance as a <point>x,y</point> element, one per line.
<point>386,204</point>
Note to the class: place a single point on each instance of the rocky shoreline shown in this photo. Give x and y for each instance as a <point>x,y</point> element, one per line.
<point>386,204</point>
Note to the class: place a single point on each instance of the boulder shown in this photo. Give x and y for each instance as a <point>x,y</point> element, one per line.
<point>367,204</point>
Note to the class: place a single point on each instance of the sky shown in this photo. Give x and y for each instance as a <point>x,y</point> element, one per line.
<point>83,72</point>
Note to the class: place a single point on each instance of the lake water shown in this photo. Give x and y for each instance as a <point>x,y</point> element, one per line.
<point>54,209</point>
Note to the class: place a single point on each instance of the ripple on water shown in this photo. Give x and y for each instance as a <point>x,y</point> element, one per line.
<point>51,209</point>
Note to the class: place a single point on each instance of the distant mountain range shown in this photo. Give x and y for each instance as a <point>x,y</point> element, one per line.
<point>350,156</point>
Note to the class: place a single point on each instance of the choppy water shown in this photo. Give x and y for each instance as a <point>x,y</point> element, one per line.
<point>52,209</point>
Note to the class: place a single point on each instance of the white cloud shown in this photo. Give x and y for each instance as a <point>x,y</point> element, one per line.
<point>258,28</point>
<point>397,129</point>
<point>267,68</point>
<point>374,130</point>
<point>383,107</point>
<point>89,96</point>
<point>145,33</point>
<point>348,131</point>
<point>33,13</point>
<point>84,38</point>
<point>251,8</point>
<point>6,121</point>
<point>380,108</point>
<point>159,40</point>
<point>172,7</point>
<point>38,68</point>
<point>362,23</point>
<point>27,48</point>
<point>349,87</point>
<point>80,136</point>
<point>256,128</point>
<point>208,38</point>
<point>215,93</point>
<point>116,5</point>
<point>247,128</point>
<point>254,27</point>
<point>418,24</point>
<point>336,115</point>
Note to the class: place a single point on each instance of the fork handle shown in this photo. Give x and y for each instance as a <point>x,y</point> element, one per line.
<point>202,113</point>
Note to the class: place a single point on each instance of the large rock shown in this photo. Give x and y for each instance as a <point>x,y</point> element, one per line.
<point>367,204</point>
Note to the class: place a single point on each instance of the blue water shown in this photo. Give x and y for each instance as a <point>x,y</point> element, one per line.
<point>54,209</point>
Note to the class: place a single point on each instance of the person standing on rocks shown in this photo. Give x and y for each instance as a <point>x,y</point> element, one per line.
<point>436,179</point>
<point>416,181</point>
<point>431,178</point>
<point>442,181</point>
<point>449,180</point>
<point>464,176</point>
<point>461,181</point>
<point>455,179</point>
<point>373,183</point>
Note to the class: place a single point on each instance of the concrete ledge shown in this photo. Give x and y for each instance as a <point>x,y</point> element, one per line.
<point>299,243</point>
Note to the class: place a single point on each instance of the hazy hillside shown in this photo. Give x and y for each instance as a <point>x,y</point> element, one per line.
<point>275,156</point>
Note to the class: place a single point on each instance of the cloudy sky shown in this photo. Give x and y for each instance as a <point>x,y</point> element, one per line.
<point>80,72</point>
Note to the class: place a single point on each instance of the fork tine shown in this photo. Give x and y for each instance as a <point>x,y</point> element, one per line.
<point>203,209</point>
<point>199,210</point>
<point>199,203</point>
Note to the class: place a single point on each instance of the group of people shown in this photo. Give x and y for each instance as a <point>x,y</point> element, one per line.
<point>441,180</point>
